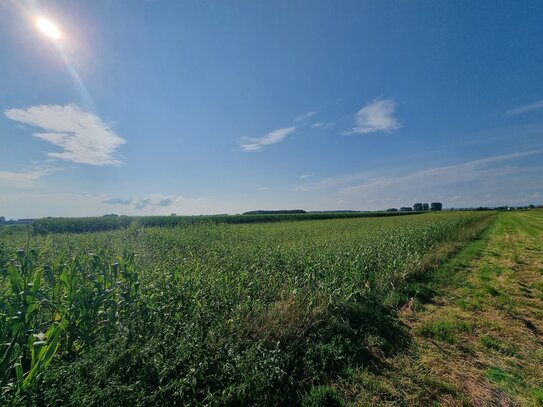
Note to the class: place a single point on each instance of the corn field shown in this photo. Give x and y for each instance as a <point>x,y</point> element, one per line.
<point>210,313</point>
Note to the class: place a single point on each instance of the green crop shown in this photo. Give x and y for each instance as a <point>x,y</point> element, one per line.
<point>100,224</point>
<point>211,313</point>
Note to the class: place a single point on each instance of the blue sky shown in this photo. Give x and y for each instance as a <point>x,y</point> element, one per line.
<point>153,107</point>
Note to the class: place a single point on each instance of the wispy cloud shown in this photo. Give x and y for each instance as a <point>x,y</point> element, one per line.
<point>304,117</point>
<point>476,170</point>
<point>251,145</point>
<point>317,125</point>
<point>526,108</point>
<point>498,180</point>
<point>148,202</point>
<point>83,137</point>
<point>118,201</point>
<point>331,182</point>
<point>25,179</point>
<point>304,176</point>
<point>18,179</point>
<point>376,116</point>
<point>153,201</point>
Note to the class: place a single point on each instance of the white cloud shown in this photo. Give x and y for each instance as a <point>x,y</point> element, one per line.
<point>118,201</point>
<point>148,202</point>
<point>18,179</point>
<point>250,145</point>
<point>526,108</point>
<point>34,204</point>
<point>304,176</point>
<point>330,182</point>
<point>376,116</point>
<point>83,137</point>
<point>317,125</point>
<point>304,117</point>
<point>471,171</point>
<point>25,179</point>
<point>492,181</point>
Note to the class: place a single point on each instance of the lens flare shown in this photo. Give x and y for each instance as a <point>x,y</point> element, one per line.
<point>48,28</point>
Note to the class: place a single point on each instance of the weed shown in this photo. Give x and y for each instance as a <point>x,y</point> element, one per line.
<point>445,330</point>
<point>490,343</point>
<point>505,379</point>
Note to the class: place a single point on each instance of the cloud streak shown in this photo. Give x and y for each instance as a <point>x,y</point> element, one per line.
<point>25,179</point>
<point>377,116</point>
<point>526,108</point>
<point>19,179</point>
<point>492,181</point>
<point>252,145</point>
<point>83,137</point>
<point>304,117</point>
<point>476,170</point>
<point>149,202</point>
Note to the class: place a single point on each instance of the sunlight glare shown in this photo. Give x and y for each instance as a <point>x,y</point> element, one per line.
<point>48,28</point>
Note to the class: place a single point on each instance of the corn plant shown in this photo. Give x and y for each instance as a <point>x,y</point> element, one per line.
<point>29,342</point>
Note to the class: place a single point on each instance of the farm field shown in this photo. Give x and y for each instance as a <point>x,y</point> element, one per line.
<point>275,313</point>
<point>113,222</point>
<point>271,203</point>
<point>479,339</point>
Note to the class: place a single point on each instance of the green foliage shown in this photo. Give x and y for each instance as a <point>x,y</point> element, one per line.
<point>491,343</point>
<point>323,396</point>
<point>444,330</point>
<point>212,313</point>
<point>29,344</point>
<point>104,223</point>
<point>538,397</point>
<point>65,305</point>
<point>505,379</point>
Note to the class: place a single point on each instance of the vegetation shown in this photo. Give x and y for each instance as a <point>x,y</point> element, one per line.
<point>279,212</point>
<point>113,222</point>
<point>259,314</point>
<point>478,338</point>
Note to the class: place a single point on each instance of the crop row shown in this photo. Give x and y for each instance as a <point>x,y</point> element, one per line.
<point>105,223</point>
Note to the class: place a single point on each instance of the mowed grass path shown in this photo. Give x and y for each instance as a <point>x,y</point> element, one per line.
<point>479,341</point>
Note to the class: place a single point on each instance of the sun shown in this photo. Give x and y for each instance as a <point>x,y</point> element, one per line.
<point>48,28</point>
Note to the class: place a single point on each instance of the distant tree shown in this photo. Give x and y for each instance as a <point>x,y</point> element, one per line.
<point>532,206</point>
<point>2,219</point>
<point>425,207</point>
<point>173,214</point>
<point>436,206</point>
<point>392,210</point>
<point>417,207</point>
<point>406,209</point>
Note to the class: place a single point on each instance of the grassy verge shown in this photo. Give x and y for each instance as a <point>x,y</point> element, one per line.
<point>478,340</point>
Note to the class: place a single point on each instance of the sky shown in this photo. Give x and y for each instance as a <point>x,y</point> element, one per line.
<point>152,107</point>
